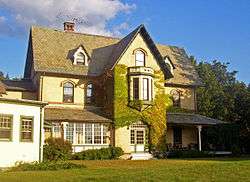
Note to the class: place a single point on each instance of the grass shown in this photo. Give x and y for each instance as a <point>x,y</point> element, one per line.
<point>223,169</point>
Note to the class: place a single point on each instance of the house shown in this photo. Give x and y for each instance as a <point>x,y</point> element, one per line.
<point>21,123</point>
<point>104,91</point>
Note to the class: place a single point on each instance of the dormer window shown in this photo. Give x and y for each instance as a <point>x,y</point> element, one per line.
<point>139,58</point>
<point>169,64</point>
<point>80,57</point>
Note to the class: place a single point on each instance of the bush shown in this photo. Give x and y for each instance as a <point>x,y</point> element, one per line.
<point>45,166</point>
<point>57,149</point>
<point>188,154</point>
<point>99,154</point>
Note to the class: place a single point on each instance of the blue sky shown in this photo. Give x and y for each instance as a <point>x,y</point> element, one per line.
<point>206,29</point>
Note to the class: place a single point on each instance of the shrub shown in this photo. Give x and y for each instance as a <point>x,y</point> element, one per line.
<point>45,166</point>
<point>57,149</point>
<point>188,154</point>
<point>99,154</point>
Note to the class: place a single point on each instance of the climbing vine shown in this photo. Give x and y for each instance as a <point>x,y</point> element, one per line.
<point>126,113</point>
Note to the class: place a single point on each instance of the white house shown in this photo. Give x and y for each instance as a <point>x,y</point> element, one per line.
<point>21,134</point>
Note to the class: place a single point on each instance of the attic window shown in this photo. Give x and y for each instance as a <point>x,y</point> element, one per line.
<point>139,58</point>
<point>169,65</point>
<point>80,57</point>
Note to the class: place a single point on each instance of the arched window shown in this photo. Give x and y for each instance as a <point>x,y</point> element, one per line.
<point>176,97</point>
<point>68,92</point>
<point>139,58</point>
<point>89,93</point>
<point>80,59</point>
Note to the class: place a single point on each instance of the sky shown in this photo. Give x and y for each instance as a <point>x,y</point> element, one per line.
<point>208,30</point>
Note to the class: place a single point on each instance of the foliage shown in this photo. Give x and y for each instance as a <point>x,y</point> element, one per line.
<point>221,137</point>
<point>57,149</point>
<point>126,113</point>
<point>45,166</point>
<point>188,154</point>
<point>224,97</point>
<point>99,154</point>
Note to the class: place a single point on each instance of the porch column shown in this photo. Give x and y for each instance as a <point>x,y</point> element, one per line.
<point>64,124</point>
<point>199,135</point>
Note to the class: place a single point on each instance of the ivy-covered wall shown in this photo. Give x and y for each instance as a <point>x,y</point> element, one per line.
<point>154,116</point>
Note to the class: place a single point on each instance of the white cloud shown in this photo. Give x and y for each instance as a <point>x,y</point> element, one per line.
<point>90,15</point>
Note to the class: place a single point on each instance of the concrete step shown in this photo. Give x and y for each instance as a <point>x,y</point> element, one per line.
<point>141,156</point>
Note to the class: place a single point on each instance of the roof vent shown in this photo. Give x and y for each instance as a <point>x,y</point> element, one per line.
<point>69,26</point>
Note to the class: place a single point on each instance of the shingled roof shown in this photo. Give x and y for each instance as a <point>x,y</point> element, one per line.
<point>19,85</point>
<point>191,119</point>
<point>66,114</point>
<point>2,88</point>
<point>52,51</point>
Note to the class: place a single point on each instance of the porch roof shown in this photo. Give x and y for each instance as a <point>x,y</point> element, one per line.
<point>78,115</point>
<point>191,119</point>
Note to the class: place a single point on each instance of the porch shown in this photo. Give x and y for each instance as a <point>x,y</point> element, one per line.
<point>184,131</point>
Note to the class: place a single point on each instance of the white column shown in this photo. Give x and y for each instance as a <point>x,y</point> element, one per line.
<point>199,135</point>
<point>64,129</point>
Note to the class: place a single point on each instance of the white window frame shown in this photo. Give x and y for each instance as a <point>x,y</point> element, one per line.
<point>77,57</point>
<point>139,58</point>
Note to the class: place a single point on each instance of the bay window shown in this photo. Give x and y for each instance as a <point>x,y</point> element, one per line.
<point>136,88</point>
<point>145,89</point>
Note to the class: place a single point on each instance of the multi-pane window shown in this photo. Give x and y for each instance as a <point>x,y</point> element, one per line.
<point>79,133</point>
<point>89,93</point>
<point>145,89</point>
<point>88,133</point>
<point>132,136</point>
<point>105,134</point>
<point>97,134</point>
<point>140,136</point>
<point>176,97</point>
<point>70,132</point>
<point>136,88</point>
<point>80,59</point>
<point>139,58</point>
<point>6,127</point>
<point>56,130</point>
<point>68,92</point>
<point>26,129</point>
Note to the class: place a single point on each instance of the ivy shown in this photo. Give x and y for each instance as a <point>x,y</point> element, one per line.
<point>127,112</point>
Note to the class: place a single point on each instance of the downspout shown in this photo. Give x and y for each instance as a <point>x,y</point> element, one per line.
<point>41,136</point>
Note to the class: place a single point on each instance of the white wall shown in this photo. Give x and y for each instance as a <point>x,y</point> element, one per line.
<point>11,152</point>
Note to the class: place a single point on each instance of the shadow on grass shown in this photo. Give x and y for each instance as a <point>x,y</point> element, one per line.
<point>222,159</point>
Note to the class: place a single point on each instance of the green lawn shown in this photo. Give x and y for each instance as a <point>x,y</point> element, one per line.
<point>224,169</point>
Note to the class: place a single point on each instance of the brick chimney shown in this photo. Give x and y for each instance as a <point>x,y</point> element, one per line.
<point>69,26</point>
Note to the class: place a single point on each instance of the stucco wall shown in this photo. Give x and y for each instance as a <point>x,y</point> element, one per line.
<point>189,135</point>
<point>187,96</point>
<point>52,90</point>
<point>15,150</point>
<point>122,139</point>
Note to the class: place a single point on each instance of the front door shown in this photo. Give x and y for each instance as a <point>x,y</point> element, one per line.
<point>138,137</point>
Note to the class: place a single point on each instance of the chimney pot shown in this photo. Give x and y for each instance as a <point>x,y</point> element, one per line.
<point>69,26</point>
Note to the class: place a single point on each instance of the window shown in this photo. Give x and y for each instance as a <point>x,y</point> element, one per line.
<point>70,132</point>
<point>68,92</point>
<point>136,88</point>
<point>139,58</point>
<point>132,136</point>
<point>176,98</point>
<point>88,133</point>
<point>97,134</point>
<point>80,59</point>
<point>145,89</point>
<point>6,127</point>
<point>56,130</point>
<point>79,133</point>
<point>177,135</point>
<point>89,93</point>
<point>26,129</point>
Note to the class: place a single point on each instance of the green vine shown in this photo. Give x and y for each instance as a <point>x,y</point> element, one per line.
<point>127,112</point>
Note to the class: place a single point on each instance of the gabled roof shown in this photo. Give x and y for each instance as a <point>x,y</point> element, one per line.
<point>2,88</point>
<point>124,43</point>
<point>191,119</point>
<point>50,50</point>
<point>19,85</point>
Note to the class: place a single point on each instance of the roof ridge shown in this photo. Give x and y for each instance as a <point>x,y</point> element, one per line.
<point>77,33</point>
